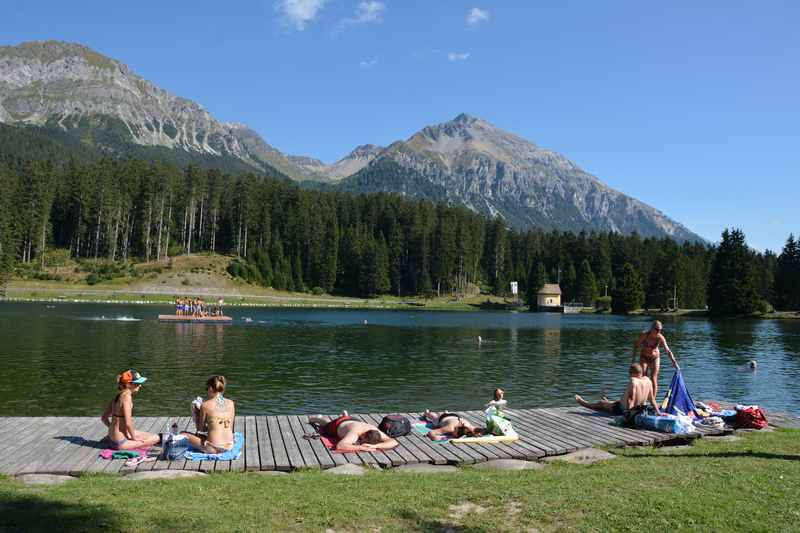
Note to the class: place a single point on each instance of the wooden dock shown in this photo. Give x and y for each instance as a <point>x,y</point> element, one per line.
<point>71,445</point>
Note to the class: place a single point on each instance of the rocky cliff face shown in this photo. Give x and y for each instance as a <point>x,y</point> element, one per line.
<point>353,162</point>
<point>73,88</point>
<point>498,173</point>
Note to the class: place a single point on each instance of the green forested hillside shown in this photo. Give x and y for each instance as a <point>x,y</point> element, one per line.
<point>100,136</point>
<point>291,238</point>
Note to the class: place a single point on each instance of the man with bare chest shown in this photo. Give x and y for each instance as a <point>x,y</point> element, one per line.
<point>638,393</point>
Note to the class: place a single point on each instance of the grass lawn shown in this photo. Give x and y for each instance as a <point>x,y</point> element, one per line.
<point>749,485</point>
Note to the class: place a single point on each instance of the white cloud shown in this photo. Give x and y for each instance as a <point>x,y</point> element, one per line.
<point>370,11</point>
<point>367,12</point>
<point>298,13</point>
<point>458,56</point>
<point>476,16</point>
<point>368,63</point>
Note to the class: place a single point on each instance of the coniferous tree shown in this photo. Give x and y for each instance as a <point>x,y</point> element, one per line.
<point>732,281</point>
<point>787,276</point>
<point>375,273</point>
<point>297,273</point>
<point>587,285</point>
<point>536,280</point>
<point>570,282</point>
<point>395,247</point>
<point>628,294</point>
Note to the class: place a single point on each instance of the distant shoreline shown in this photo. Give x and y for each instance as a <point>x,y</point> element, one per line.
<point>292,300</point>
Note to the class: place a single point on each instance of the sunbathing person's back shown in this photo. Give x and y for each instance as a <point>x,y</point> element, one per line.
<point>353,435</point>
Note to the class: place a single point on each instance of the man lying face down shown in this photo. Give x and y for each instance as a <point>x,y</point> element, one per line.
<point>353,435</point>
<point>638,393</point>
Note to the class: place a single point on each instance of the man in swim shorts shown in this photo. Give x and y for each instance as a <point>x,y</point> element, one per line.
<point>353,435</point>
<point>638,393</point>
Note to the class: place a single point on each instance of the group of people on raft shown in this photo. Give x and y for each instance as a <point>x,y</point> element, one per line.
<point>197,307</point>
<point>214,417</point>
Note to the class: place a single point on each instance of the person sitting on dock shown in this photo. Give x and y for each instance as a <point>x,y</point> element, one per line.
<point>450,425</point>
<point>118,415</point>
<point>638,393</point>
<point>352,435</point>
<point>213,420</point>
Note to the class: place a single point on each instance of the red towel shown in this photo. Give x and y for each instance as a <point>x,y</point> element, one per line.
<point>331,444</point>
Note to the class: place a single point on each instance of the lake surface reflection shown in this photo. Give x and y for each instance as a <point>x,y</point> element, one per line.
<point>62,359</point>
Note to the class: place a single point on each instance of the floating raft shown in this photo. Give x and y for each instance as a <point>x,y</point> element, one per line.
<point>70,445</point>
<point>200,319</point>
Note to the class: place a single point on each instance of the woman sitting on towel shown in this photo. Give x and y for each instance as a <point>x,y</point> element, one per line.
<point>450,425</point>
<point>118,415</point>
<point>213,420</point>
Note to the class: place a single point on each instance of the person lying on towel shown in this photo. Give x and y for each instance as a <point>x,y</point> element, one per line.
<point>450,425</point>
<point>351,435</point>
<point>638,393</point>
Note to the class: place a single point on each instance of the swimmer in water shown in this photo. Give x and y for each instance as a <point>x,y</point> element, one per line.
<point>753,365</point>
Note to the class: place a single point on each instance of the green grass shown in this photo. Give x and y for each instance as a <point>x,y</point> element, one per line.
<point>749,485</point>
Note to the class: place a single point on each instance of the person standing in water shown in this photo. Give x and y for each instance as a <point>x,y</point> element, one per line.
<point>646,346</point>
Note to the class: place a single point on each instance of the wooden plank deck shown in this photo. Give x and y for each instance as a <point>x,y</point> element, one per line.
<point>70,445</point>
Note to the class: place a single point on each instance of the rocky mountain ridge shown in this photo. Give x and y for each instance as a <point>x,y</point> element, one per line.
<point>498,173</point>
<point>75,90</point>
<point>67,86</point>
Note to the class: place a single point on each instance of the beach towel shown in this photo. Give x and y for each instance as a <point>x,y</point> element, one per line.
<point>487,439</point>
<point>423,428</point>
<point>327,441</point>
<point>330,443</point>
<point>679,401</point>
<point>124,454</point>
<point>230,455</point>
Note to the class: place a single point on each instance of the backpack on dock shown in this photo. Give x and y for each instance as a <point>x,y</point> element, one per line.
<point>750,417</point>
<point>395,425</point>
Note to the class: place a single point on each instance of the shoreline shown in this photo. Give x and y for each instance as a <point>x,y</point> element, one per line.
<point>288,300</point>
<point>336,302</point>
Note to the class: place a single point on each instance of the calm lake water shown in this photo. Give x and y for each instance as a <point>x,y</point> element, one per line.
<point>62,359</point>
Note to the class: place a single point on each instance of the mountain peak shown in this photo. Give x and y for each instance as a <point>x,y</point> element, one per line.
<point>464,118</point>
<point>51,51</point>
<point>364,149</point>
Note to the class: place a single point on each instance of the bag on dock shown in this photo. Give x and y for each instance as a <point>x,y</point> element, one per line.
<point>750,417</point>
<point>175,446</point>
<point>395,425</point>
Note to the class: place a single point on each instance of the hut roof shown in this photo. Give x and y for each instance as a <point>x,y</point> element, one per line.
<point>550,288</point>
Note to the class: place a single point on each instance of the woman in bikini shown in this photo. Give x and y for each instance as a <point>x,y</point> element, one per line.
<point>118,415</point>
<point>450,425</point>
<point>649,356</point>
<point>213,420</point>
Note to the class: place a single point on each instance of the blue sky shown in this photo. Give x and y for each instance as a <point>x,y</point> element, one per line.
<point>690,106</point>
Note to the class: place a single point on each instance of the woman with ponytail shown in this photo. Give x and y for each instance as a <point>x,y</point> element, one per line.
<point>118,415</point>
<point>213,419</point>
